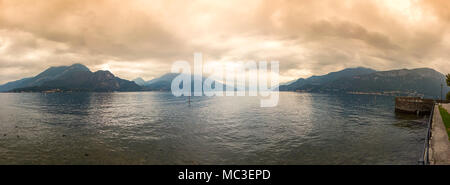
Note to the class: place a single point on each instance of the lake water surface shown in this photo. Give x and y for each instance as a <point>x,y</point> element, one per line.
<point>158,128</point>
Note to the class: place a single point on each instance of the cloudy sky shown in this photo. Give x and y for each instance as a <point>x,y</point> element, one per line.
<point>137,38</point>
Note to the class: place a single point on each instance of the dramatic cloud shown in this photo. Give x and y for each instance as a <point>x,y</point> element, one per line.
<point>140,38</point>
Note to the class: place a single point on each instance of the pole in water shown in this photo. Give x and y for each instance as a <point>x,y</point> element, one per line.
<point>189,97</point>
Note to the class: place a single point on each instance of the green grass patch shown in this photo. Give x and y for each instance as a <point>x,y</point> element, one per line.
<point>446,118</point>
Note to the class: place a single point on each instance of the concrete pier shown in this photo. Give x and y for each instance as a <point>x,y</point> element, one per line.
<point>415,105</point>
<point>439,142</point>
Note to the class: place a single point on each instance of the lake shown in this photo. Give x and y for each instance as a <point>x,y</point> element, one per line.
<point>158,128</point>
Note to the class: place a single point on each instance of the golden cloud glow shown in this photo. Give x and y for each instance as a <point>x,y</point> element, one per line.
<point>141,38</point>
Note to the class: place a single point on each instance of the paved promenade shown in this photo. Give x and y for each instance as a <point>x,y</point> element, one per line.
<point>440,145</point>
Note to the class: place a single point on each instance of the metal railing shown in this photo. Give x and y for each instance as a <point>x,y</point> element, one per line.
<point>425,159</point>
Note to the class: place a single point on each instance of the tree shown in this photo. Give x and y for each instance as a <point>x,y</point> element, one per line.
<point>448,84</point>
<point>448,79</point>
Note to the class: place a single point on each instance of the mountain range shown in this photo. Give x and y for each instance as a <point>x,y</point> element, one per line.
<point>424,82</point>
<point>318,81</point>
<point>164,82</point>
<point>76,77</point>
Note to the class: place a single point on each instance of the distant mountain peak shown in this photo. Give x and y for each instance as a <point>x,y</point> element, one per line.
<point>140,81</point>
<point>163,83</point>
<point>321,80</point>
<point>425,69</point>
<point>405,82</point>
<point>75,77</point>
<point>78,66</point>
<point>104,72</point>
<point>103,75</point>
<point>359,68</point>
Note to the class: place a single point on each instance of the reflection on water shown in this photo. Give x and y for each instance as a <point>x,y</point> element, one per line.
<point>157,128</point>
